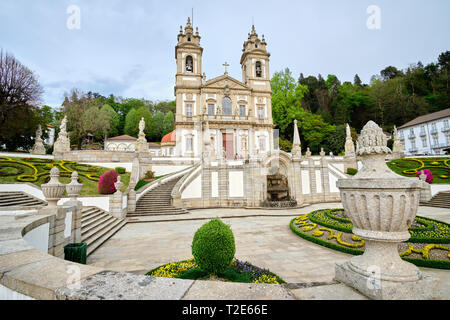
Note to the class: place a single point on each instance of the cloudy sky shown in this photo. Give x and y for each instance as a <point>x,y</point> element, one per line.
<point>127,47</point>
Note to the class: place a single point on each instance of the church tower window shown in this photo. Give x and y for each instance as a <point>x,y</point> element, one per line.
<point>242,110</point>
<point>258,69</point>
<point>211,109</point>
<point>226,106</point>
<point>189,64</point>
<point>189,110</point>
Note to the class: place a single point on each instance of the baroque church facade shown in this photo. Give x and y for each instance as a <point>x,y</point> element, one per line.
<point>236,115</point>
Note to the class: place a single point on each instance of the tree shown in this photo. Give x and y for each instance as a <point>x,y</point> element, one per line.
<point>286,100</point>
<point>20,97</point>
<point>74,108</point>
<point>114,120</point>
<point>97,122</point>
<point>130,123</point>
<point>390,73</point>
<point>157,128</point>
<point>357,81</point>
<point>168,123</point>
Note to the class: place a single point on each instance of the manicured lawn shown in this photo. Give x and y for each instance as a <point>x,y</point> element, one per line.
<point>331,228</point>
<point>408,167</point>
<point>37,171</point>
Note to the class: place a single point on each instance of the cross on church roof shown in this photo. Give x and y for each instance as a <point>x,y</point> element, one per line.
<point>226,65</point>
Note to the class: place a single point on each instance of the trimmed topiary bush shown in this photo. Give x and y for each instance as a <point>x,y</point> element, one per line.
<point>106,182</point>
<point>120,170</point>
<point>149,175</point>
<point>352,171</point>
<point>213,247</point>
<point>427,173</point>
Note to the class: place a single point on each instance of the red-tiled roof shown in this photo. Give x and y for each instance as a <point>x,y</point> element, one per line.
<point>170,137</point>
<point>123,137</point>
<point>154,145</point>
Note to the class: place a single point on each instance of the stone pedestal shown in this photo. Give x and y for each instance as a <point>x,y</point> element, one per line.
<point>116,200</point>
<point>38,147</point>
<point>424,288</point>
<point>382,206</point>
<point>131,202</point>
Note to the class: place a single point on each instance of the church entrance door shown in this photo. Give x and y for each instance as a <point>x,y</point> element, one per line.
<point>228,145</point>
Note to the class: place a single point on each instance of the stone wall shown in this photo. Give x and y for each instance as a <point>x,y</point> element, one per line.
<point>244,184</point>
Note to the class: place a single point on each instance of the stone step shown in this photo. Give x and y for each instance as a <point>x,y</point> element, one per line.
<point>21,203</point>
<point>88,211</point>
<point>91,215</point>
<point>105,236</point>
<point>104,219</point>
<point>94,219</point>
<point>95,232</point>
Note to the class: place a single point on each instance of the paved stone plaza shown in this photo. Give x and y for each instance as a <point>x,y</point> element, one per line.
<point>263,237</point>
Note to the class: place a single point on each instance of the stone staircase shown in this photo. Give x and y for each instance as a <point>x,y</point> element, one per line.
<point>441,200</point>
<point>97,226</point>
<point>157,202</point>
<point>19,199</point>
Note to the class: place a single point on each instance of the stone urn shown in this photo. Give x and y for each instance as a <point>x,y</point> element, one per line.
<point>118,184</point>
<point>382,207</point>
<point>73,189</point>
<point>53,190</point>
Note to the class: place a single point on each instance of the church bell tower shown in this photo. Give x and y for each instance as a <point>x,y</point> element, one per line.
<point>188,54</point>
<point>255,62</point>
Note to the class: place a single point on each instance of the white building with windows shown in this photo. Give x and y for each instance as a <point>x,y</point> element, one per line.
<point>427,135</point>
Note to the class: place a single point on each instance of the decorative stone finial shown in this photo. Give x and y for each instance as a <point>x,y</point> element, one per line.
<point>53,190</point>
<point>308,152</point>
<point>322,152</point>
<point>118,184</point>
<point>296,145</point>
<point>372,140</point>
<point>73,189</point>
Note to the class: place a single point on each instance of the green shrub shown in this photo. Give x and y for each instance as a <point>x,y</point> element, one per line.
<point>213,247</point>
<point>120,170</point>
<point>149,175</point>
<point>352,171</point>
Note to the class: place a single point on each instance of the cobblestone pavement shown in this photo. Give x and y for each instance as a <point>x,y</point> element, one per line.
<point>265,241</point>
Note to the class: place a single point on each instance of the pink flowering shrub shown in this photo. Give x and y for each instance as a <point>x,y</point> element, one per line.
<point>106,182</point>
<point>427,173</point>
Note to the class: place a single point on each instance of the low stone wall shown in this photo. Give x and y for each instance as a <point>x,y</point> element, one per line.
<point>96,156</point>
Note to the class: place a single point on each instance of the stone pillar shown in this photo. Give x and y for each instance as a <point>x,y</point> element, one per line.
<point>131,201</point>
<point>115,201</point>
<point>382,206</point>
<point>73,190</point>
<point>206,185</point>
<point>425,189</point>
<point>223,183</point>
<point>297,181</point>
<point>296,145</point>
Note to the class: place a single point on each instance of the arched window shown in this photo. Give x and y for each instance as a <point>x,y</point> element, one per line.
<point>258,69</point>
<point>189,64</point>
<point>226,106</point>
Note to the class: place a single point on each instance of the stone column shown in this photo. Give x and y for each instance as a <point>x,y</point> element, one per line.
<point>131,201</point>
<point>53,190</point>
<point>382,206</point>
<point>115,201</point>
<point>73,190</point>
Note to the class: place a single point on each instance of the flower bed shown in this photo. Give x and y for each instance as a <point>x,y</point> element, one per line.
<point>238,272</point>
<point>408,167</point>
<point>427,247</point>
<point>37,171</point>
